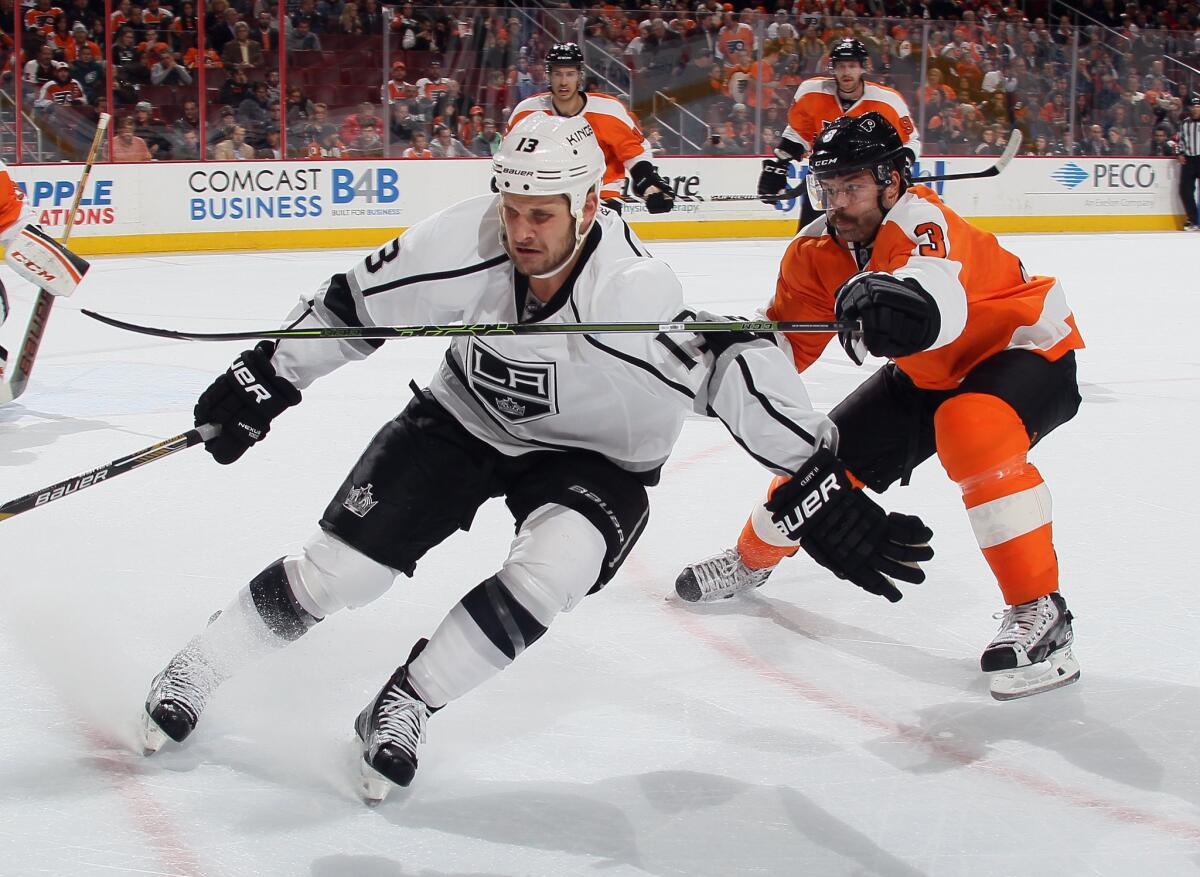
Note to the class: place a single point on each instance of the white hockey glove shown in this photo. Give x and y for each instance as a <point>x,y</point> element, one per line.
<point>44,262</point>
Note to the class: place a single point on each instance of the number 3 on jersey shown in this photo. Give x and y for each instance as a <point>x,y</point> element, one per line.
<point>935,240</point>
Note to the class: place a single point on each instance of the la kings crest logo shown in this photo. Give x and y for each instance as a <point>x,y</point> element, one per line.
<point>360,500</point>
<point>520,392</point>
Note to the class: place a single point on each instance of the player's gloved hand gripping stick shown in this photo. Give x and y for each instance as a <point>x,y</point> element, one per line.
<point>234,413</point>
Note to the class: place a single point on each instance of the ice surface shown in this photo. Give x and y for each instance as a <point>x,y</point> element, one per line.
<point>809,729</point>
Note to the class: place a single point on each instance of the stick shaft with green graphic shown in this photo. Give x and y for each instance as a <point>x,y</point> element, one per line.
<point>384,333</point>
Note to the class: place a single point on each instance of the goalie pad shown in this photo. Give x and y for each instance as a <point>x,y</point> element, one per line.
<point>44,262</point>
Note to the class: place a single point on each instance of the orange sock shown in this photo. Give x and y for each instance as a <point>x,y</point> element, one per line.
<point>757,552</point>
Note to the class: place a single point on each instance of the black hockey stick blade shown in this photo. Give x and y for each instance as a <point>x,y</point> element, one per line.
<point>1006,157</point>
<point>120,466</point>
<point>384,333</point>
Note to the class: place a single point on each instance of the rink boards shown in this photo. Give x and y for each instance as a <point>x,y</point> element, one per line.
<point>151,207</point>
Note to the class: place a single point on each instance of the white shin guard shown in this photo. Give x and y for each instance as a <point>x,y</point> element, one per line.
<point>554,560</point>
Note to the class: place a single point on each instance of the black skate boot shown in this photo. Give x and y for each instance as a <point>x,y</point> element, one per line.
<point>177,697</point>
<point>390,727</point>
<point>1031,652</point>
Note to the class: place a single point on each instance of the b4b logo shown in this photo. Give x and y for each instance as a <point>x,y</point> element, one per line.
<point>520,392</point>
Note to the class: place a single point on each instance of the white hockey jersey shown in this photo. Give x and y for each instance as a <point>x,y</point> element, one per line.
<point>620,395</point>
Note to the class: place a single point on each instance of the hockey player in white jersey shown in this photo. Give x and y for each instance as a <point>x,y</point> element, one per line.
<point>569,429</point>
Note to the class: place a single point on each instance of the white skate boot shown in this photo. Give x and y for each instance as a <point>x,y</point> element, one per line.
<point>177,697</point>
<point>1032,651</point>
<point>718,577</point>
<point>390,727</point>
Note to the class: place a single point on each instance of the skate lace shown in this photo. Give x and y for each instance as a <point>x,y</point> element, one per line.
<point>401,719</point>
<point>725,573</point>
<point>188,680</point>
<point>1019,624</point>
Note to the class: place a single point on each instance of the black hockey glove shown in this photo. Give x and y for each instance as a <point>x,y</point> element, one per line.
<point>773,179</point>
<point>645,176</point>
<point>898,317</point>
<point>846,531</point>
<point>244,401</point>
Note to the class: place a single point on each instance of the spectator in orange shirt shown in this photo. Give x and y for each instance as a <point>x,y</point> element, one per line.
<point>79,39</point>
<point>127,147</point>
<point>419,148</point>
<point>763,70</point>
<point>934,84</point>
<point>212,61</point>
<point>41,17</point>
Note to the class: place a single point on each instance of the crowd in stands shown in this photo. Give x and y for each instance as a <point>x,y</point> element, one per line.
<point>704,76</point>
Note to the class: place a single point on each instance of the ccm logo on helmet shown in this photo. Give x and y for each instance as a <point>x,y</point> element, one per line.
<point>577,137</point>
<point>804,510</point>
<point>33,266</point>
<point>245,377</point>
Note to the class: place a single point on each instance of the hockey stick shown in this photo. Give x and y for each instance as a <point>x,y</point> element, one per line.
<point>785,195</point>
<point>1006,157</point>
<point>19,378</point>
<point>383,333</point>
<point>117,467</point>
<point>1010,152</point>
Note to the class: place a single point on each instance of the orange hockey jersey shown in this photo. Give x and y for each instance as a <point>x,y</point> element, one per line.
<point>816,104</point>
<point>12,201</point>
<point>618,131</point>
<point>986,300</point>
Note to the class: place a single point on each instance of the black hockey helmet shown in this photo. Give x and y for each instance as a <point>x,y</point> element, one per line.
<point>564,55</point>
<point>848,49</point>
<point>1194,101</point>
<point>856,143</point>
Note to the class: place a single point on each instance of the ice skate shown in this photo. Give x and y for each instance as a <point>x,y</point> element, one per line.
<point>1031,653</point>
<point>390,727</point>
<point>718,577</point>
<point>177,697</point>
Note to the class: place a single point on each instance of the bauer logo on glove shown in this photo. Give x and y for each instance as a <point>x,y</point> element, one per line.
<point>846,531</point>
<point>792,520</point>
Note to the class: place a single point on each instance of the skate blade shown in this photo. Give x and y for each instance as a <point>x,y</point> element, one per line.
<point>153,737</point>
<point>373,786</point>
<point>1059,670</point>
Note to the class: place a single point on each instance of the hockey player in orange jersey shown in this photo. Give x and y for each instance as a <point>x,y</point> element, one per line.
<point>30,252</point>
<point>626,149</point>
<point>981,367</point>
<point>821,99</point>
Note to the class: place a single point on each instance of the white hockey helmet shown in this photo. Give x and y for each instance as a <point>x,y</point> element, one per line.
<point>550,155</point>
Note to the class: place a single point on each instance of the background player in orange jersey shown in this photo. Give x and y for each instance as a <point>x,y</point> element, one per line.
<point>821,99</point>
<point>625,147</point>
<point>30,252</point>
<point>981,367</point>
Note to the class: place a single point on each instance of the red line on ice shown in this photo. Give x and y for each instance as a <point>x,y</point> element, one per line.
<point>149,817</point>
<point>1042,785</point>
